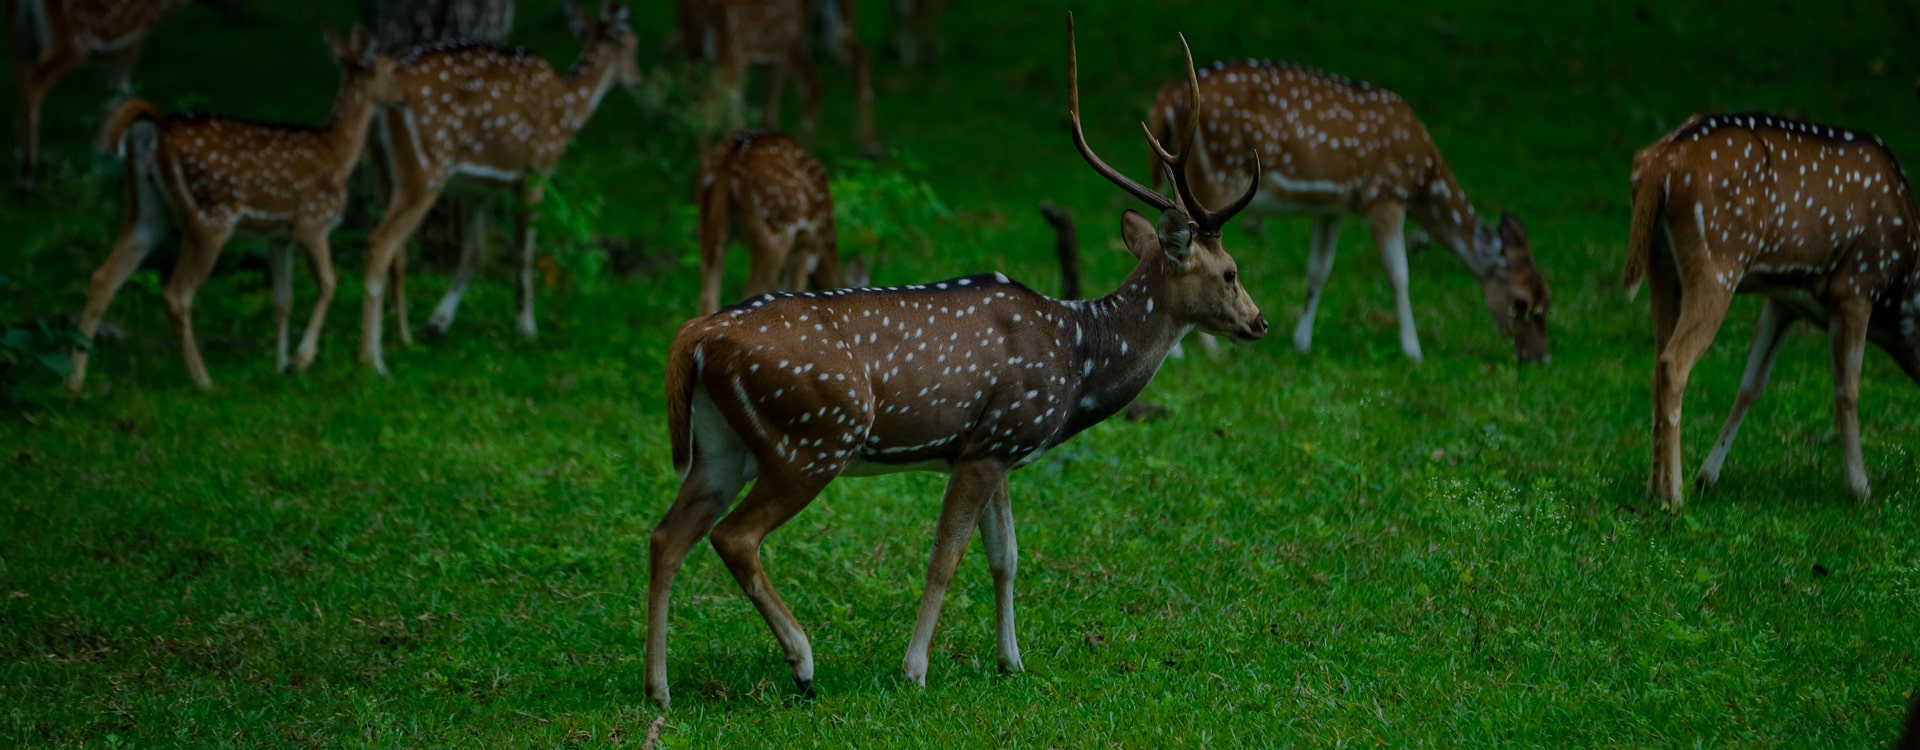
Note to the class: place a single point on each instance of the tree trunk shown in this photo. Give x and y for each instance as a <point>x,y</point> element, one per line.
<point>401,24</point>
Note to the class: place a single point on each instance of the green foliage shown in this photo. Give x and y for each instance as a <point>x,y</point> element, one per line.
<point>27,347</point>
<point>885,204</point>
<point>569,232</point>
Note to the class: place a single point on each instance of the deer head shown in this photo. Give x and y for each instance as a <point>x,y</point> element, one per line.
<point>608,32</point>
<point>1203,279</point>
<point>1520,295</point>
<point>362,64</point>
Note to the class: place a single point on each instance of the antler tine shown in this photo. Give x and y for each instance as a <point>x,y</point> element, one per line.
<point>1145,194</point>
<point>1220,218</point>
<point>1177,163</point>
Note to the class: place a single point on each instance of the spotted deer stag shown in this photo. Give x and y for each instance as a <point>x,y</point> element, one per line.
<point>768,189</point>
<point>494,114</point>
<point>1334,148</point>
<point>1817,219</point>
<point>972,377</point>
<point>734,35</point>
<point>53,37</point>
<point>210,176</point>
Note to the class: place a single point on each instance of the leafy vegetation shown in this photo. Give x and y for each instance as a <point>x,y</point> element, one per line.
<point>1331,549</point>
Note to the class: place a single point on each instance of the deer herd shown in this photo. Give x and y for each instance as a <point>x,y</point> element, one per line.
<point>804,380</point>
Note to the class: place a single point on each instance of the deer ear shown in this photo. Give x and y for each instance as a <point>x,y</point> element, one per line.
<point>362,43</point>
<point>342,49</point>
<point>1176,235</point>
<point>1137,233</point>
<point>1511,233</point>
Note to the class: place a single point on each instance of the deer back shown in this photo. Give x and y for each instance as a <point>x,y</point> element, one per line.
<point>1328,143</point>
<point>1757,202</point>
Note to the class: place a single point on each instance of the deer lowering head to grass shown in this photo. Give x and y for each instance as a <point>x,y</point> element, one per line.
<point>766,187</point>
<point>972,377</point>
<point>734,35</point>
<point>1335,148</point>
<point>210,176</point>
<point>53,37</point>
<point>495,114</point>
<point>1817,219</point>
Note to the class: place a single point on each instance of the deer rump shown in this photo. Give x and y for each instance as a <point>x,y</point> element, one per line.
<point>899,378</point>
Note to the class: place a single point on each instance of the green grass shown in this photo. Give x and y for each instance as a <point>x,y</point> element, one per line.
<point>1318,550</point>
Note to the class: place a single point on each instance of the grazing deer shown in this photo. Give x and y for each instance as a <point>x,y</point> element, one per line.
<point>497,114</point>
<point>735,34</point>
<point>53,37</point>
<point>972,377</point>
<point>1335,148</point>
<point>1816,218</point>
<point>210,176</point>
<point>766,187</point>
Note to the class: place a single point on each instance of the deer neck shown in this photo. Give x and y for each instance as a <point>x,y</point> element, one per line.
<point>1120,340</point>
<point>346,132</point>
<point>588,83</point>
<point>1443,210</point>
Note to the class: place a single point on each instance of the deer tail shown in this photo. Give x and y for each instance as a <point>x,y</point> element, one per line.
<point>684,361</point>
<point>130,114</point>
<point>1649,201</point>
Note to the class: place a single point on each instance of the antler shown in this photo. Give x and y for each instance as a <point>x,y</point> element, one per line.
<point>1175,164</point>
<point>1148,195</point>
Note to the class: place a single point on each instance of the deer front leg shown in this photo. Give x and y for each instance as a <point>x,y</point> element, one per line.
<point>280,271</point>
<point>523,236</point>
<point>856,57</point>
<point>1389,225</point>
<point>1767,335</point>
<point>968,491</point>
<point>320,263</point>
<point>473,244</point>
<point>1003,559</point>
<point>1849,330</point>
<point>1326,236</point>
<point>409,205</point>
<point>810,93</point>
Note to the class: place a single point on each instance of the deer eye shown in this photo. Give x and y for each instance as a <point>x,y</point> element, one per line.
<point>1232,276</point>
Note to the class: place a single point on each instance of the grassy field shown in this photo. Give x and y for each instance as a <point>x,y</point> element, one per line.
<point>1335,549</point>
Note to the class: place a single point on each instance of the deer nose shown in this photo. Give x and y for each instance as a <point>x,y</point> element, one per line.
<point>1253,331</point>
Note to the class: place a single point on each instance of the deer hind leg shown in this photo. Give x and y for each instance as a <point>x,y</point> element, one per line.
<point>320,263</point>
<point>1703,305</point>
<point>1003,560</point>
<point>405,210</point>
<point>1389,225</point>
<point>199,249</point>
<point>712,482</point>
<point>970,489</point>
<point>1326,235</point>
<point>473,245</point>
<point>146,219</point>
<point>523,235</point>
<point>1775,318</point>
<point>1849,331</point>
<point>779,494</point>
<point>822,265</point>
<point>121,88</point>
<point>768,251</point>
